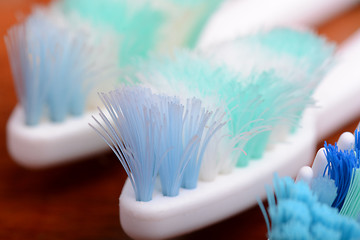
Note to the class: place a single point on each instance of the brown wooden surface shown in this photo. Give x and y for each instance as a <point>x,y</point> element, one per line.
<point>80,201</point>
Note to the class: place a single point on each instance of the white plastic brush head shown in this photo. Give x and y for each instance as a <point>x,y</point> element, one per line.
<point>346,141</point>
<point>320,163</point>
<point>305,174</point>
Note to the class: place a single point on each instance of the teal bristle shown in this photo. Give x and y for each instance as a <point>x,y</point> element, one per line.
<point>195,74</point>
<point>299,58</point>
<point>258,101</point>
<point>297,61</point>
<point>138,26</point>
<point>297,214</point>
<point>305,47</point>
<point>146,26</point>
<point>252,104</point>
<point>51,66</point>
<point>351,206</point>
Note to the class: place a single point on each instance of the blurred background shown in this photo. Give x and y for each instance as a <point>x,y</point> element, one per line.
<point>80,200</point>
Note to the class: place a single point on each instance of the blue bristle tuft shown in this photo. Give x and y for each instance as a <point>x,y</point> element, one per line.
<point>186,141</point>
<point>178,152</point>
<point>155,134</point>
<point>26,55</point>
<point>133,135</point>
<point>339,168</point>
<point>51,66</point>
<point>357,142</point>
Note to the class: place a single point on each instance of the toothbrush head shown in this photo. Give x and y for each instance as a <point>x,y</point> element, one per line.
<point>153,135</point>
<point>52,66</point>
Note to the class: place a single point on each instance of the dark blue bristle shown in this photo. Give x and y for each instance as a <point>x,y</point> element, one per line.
<point>339,168</point>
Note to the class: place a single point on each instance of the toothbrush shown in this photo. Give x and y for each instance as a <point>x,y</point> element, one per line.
<point>49,148</point>
<point>250,16</point>
<point>34,147</point>
<point>164,217</point>
<point>213,195</point>
<point>46,59</point>
<point>324,201</point>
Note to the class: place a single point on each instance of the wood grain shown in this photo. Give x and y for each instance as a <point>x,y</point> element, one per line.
<point>80,201</point>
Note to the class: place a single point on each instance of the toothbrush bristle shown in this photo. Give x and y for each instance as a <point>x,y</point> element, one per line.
<point>357,141</point>
<point>299,59</point>
<point>145,26</point>
<point>156,134</point>
<point>253,108</point>
<point>340,166</point>
<point>258,104</point>
<point>24,58</point>
<point>325,189</point>
<point>205,124</point>
<point>52,67</point>
<point>297,214</point>
<point>131,129</point>
<point>351,206</point>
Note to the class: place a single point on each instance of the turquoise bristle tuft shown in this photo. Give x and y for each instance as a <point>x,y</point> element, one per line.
<point>253,106</point>
<point>146,26</point>
<point>351,206</point>
<point>297,214</point>
<point>134,23</point>
<point>298,58</point>
<point>258,102</point>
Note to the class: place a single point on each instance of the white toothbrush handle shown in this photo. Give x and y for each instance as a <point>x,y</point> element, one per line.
<point>338,94</point>
<point>239,17</point>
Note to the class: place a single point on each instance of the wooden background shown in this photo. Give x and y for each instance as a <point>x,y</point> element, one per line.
<point>80,201</point>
